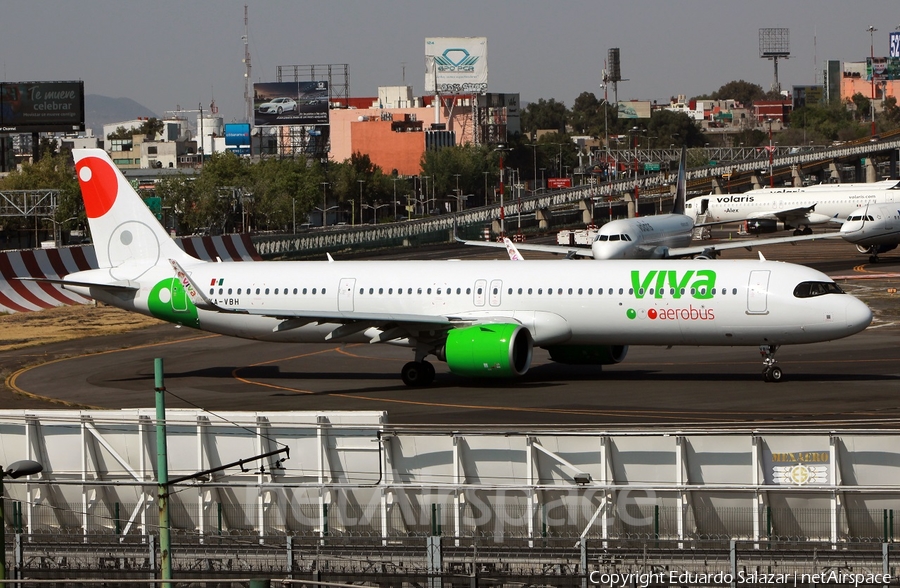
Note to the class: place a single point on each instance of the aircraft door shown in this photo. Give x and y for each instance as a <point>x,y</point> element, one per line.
<point>495,291</point>
<point>179,300</point>
<point>757,292</point>
<point>345,294</point>
<point>480,287</point>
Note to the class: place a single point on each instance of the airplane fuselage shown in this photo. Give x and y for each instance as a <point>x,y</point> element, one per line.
<point>616,302</point>
<point>873,225</point>
<point>826,203</point>
<point>642,238</point>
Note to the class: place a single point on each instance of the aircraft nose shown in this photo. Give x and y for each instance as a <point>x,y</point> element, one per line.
<point>850,227</point>
<point>859,315</point>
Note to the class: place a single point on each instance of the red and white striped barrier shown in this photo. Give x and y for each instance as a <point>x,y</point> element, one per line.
<point>25,296</point>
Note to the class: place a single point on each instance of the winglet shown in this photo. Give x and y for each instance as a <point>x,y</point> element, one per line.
<point>512,251</point>
<point>194,293</point>
<point>761,258</point>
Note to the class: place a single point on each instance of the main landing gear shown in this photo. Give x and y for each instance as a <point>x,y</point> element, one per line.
<point>806,230</point>
<point>417,374</point>
<point>771,372</point>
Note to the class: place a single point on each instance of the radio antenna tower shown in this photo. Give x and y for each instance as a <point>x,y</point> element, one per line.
<point>775,44</point>
<point>248,98</point>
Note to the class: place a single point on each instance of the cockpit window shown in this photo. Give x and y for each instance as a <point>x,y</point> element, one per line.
<point>626,237</point>
<point>614,237</point>
<point>603,237</point>
<point>810,289</point>
<point>860,217</point>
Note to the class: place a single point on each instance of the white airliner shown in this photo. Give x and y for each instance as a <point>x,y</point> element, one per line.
<point>768,210</point>
<point>482,317</point>
<point>659,236</point>
<point>874,229</point>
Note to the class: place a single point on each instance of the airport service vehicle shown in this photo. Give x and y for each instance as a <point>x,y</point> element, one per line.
<point>767,210</point>
<point>874,229</point>
<point>482,317</point>
<point>278,105</point>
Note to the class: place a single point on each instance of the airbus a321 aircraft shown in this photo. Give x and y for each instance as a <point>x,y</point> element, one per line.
<point>483,317</point>
<point>778,209</point>
<point>874,229</point>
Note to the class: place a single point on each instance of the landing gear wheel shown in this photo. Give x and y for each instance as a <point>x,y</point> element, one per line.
<point>417,374</point>
<point>873,259</point>
<point>773,374</point>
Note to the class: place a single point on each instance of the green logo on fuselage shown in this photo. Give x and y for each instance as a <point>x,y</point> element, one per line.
<point>168,301</point>
<point>697,284</point>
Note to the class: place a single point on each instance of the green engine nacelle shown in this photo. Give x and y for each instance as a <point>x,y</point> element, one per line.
<point>489,351</point>
<point>587,354</point>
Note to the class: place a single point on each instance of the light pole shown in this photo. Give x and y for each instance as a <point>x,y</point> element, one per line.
<point>24,467</point>
<point>424,189</point>
<point>395,200</point>
<point>501,149</point>
<point>771,155</point>
<point>534,165</point>
<point>57,234</point>
<point>324,203</point>
<point>872,30</point>
<point>458,202</point>
<point>353,220</point>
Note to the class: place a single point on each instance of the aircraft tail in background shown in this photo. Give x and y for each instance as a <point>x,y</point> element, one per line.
<point>128,238</point>
<point>681,184</point>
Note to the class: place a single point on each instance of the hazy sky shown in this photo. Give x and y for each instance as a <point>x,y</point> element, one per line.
<point>165,53</point>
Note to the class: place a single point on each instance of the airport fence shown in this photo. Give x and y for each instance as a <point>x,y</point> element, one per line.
<point>500,521</point>
<point>444,561</point>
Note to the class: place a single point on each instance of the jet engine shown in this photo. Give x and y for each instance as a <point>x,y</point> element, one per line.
<point>488,350</point>
<point>764,225</point>
<point>587,354</point>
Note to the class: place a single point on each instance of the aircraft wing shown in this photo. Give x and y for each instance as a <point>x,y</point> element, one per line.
<point>788,215</point>
<point>711,249</point>
<point>558,249</point>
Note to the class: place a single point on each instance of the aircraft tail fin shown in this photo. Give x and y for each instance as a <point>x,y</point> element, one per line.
<point>127,236</point>
<point>681,184</point>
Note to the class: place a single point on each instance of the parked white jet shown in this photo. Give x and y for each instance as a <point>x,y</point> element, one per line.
<point>774,209</point>
<point>874,229</point>
<point>481,317</point>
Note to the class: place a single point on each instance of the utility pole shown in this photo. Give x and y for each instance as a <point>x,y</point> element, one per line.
<point>248,98</point>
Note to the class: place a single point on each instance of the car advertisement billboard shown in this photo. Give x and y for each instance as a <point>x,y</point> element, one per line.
<point>290,103</point>
<point>456,65</point>
<point>41,107</point>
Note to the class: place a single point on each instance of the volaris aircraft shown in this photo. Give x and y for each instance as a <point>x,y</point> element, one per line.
<point>767,210</point>
<point>482,317</point>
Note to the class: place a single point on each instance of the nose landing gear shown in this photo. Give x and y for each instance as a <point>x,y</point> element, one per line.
<point>771,372</point>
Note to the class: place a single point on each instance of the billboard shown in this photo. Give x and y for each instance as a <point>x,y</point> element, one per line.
<point>41,107</point>
<point>290,103</point>
<point>634,109</point>
<point>884,68</point>
<point>895,45</point>
<point>456,65</point>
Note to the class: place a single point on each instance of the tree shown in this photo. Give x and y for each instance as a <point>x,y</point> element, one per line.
<point>52,172</point>
<point>862,104</point>
<point>544,114</point>
<point>745,93</point>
